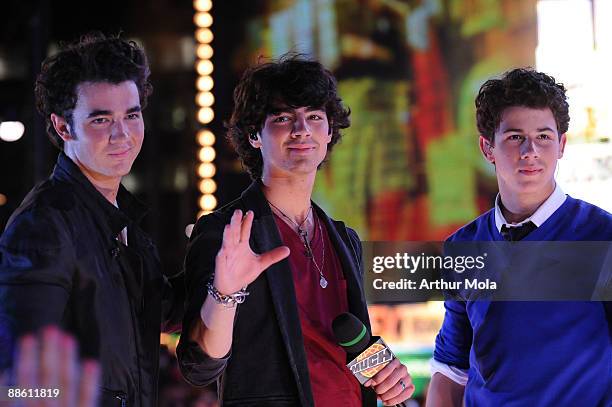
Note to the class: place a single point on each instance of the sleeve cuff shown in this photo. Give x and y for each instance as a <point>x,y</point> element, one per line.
<point>197,367</point>
<point>459,376</point>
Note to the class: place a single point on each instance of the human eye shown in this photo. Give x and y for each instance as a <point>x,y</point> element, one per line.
<point>515,137</point>
<point>315,116</point>
<point>544,136</point>
<point>133,116</point>
<point>281,118</point>
<point>99,120</point>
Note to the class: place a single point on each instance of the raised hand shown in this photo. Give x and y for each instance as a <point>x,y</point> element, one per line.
<point>49,362</point>
<point>236,265</point>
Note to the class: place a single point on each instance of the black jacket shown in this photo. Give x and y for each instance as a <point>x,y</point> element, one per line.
<point>267,365</point>
<point>61,264</point>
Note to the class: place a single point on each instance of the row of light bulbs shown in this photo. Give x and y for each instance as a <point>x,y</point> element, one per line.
<point>205,99</point>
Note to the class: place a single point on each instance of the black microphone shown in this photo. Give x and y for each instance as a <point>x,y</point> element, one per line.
<point>369,354</point>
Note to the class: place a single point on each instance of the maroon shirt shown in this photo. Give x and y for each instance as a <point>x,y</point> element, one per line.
<point>332,383</point>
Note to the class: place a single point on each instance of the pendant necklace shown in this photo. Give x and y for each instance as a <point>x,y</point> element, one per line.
<point>303,234</point>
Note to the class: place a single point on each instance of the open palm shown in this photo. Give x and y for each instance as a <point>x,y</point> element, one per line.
<point>236,265</point>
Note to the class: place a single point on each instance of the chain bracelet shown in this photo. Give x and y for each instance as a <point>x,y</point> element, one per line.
<point>227,300</point>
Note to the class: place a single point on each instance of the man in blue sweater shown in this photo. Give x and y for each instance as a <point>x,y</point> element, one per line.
<point>526,353</point>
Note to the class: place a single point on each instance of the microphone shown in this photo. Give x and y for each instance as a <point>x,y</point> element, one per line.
<point>370,354</point>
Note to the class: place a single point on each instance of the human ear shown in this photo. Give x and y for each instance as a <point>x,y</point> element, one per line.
<point>254,139</point>
<point>562,142</point>
<point>486,148</point>
<point>61,126</point>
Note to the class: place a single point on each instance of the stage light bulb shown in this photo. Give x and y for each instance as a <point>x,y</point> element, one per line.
<point>205,138</point>
<point>11,131</point>
<point>208,186</point>
<point>204,35</point>
<point>206,170</point>
<point>208,202</point>
<point>207,154</point>
<point>202,5</point>
<point>202,19</point>
<point>205,99</point>
<point>204,83</point>
<point>205,115</point>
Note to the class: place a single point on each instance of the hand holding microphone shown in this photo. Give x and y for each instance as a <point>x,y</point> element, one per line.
<point>373,363</point>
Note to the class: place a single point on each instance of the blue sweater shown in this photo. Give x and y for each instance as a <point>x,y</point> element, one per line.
<point>533,353</point>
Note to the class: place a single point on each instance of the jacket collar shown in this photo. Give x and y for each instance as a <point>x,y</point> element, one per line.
<point>131,208</point>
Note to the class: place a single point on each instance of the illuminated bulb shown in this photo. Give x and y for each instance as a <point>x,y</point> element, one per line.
<point>11,131</point>
<point>202,5</point>
<point>204,35</point>
<point>205,99</point>
<point>202,19</point>
<point>207,154</point>
<point>3,198</point>
<point>206,138</point>
<point>204,51</point>
<point>208,186</point>
<point>206,170</point>
<point>205,83</point>
<point>205,115</point>
<point>208,202</point>
<point>204,67</point>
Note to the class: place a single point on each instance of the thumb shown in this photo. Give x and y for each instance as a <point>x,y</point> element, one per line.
<point>273,256</point>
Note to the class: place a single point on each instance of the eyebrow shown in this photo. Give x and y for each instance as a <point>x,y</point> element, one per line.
<point>541,129</point>
<point>289,109</point>
<point>100,112</point>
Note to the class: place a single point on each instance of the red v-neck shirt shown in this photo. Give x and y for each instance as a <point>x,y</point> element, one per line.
<point>332,383</point>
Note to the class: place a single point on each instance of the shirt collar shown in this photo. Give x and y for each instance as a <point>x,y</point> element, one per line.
<point>550,205</point>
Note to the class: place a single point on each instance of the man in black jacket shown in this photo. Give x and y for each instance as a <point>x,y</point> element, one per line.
<point>277,347</point>
<point>72,254</point>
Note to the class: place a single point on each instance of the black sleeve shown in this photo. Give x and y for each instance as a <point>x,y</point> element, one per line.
<point>197,367</point>
<point>37,264</point>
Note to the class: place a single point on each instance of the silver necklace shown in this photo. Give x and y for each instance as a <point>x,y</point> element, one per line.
<point>304,236</point>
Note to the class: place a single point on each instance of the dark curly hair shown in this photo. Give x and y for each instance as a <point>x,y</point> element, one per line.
<point>520,87</point>
<point>293,81</point>
<point>94,58</point>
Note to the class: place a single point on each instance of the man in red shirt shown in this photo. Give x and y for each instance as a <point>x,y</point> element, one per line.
<point>291,268</point>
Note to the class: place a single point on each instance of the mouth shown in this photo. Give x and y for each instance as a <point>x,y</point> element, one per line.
<point>301,148</point>
<point>531,171</point>
<point>121,153</point>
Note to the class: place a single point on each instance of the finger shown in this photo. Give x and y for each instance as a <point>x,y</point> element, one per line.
<point>273,256</point>
<point>247,223</point>
<point>383,374</point>
<point>90,379</point>
<point>27,362</point>
<point>235,225</point>
<point>403,395</point>
<point>50,371</point>
<point>389,383</point>
<point>50,350</point>
<point>69,370</point>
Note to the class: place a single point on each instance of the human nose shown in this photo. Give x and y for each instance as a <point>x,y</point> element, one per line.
<point>528,149</point>
<point>300,127</point>
<point>119,130</point>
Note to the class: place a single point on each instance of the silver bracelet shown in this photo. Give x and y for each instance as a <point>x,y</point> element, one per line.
<point>227,300</point>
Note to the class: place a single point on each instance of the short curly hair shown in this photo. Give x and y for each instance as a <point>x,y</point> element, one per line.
<point>93,58</point>
<point>292,80</point>
<point>520,87</point>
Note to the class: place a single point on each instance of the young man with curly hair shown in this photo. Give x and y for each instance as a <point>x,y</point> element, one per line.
<point>299,267</point>
<point>72,254</point>
<point>516,352</point>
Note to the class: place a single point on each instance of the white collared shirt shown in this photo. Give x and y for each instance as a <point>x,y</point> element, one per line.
<point>544,211</point>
